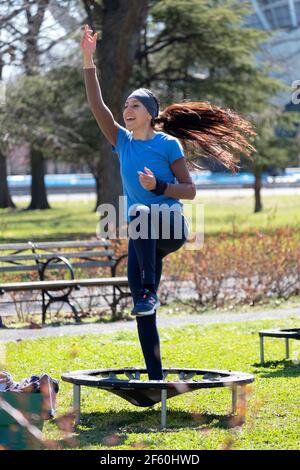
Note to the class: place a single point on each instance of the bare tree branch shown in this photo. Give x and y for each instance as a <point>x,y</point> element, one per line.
<point>162,74</point>
<point>152,49</point>
<point>56,41</point>
<point>16,31</point>
<point>13,14</point>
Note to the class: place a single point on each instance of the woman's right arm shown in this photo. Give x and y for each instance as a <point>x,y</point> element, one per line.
<point>102,113</point>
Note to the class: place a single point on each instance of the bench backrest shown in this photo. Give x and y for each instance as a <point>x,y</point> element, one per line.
<point>32,256</point>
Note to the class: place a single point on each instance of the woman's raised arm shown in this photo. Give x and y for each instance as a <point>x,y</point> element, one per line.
<point>102,113</point>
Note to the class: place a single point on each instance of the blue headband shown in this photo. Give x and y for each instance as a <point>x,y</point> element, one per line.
<point>147,98</point>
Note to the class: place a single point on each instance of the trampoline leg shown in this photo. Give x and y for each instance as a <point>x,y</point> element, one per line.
<point>262,358</point>
<point>163,409</point>
<point>243,394</point>
<point>76,403</point>
<point>234,399</point>
<point>287,348</point>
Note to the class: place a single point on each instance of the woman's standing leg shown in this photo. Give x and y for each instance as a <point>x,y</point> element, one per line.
<point>149,337</point>
<point>150,343</point>
<point>147,328</point>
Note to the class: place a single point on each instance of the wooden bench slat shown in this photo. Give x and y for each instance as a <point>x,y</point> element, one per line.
<point>78,254</point>
<point>39,285</point>
<point>20,267</point>
<point>75,244</point>
<point>46,245</point>
<point>34,267</point>
<point>15,246</point>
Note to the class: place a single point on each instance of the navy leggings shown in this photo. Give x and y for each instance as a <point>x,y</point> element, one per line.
<point>144,266</point>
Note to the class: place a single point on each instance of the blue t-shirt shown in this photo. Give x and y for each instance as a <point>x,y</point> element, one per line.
<point>156,154</point>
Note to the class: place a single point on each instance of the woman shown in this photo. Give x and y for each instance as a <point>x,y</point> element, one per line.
<point>150,160</point>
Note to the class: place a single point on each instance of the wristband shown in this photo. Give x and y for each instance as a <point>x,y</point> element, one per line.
<point>160,187</point>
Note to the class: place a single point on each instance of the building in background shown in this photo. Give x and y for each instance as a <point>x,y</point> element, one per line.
<point>282,50</point>
<point>275,14</point>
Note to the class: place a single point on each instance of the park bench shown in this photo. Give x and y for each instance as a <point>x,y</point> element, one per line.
<point>58,268</point>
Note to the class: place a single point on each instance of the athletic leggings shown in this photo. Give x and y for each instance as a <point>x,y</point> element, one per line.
<point>144,266</point>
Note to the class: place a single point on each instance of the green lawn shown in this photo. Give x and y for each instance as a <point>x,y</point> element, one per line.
<point>224,214</point>
<point>197,420</point>
<point>73,219</point>
<point>65,220</point>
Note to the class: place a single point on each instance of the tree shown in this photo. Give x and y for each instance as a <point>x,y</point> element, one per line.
<point>203,51</point>
<point>26,40</point>
<point>5,198</point>
<point>65,132</point>
<point>276,145</point>
<point>121,24</point>
<point>56,93</point>
<point>31,65</point>
<point>25,44</point>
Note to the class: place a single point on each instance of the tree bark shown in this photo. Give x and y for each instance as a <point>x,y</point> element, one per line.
<point>38,188</point>
<point>5,199</point>
<point>31,64</point>
<point>122,23</point>
<point>257,190</point>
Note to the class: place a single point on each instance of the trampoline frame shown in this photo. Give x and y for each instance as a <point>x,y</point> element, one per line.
<point>286,333</point>
<point>108,381</point>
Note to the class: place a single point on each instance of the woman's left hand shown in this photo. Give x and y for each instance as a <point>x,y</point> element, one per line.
<point>147,180</point>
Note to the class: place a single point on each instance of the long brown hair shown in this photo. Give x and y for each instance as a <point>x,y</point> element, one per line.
<point>219,133</point>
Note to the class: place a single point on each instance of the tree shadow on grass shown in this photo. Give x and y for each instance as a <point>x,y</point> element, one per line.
<point>113,428</point>
<point>270,369</point>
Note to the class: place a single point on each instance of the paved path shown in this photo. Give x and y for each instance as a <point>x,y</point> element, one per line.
<point>219,192</point>
<point>164,322</point>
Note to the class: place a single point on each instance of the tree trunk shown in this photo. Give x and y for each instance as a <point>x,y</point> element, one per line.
<point>122,23</point>
<point>38,188</point>
<point>5,199</point>
<point>257,191</point>
<point>31,62</point>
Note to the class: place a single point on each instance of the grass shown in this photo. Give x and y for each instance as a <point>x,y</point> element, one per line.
<point>225,214</point>
<point>198,420</point>
<point>66,220</point>
<point>71,219</point>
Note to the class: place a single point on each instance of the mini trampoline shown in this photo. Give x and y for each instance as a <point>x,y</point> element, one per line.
<point>127,383</point>
<point>287,333</point>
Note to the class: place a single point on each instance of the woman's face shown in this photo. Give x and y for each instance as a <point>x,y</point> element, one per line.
<point>135,114</point>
